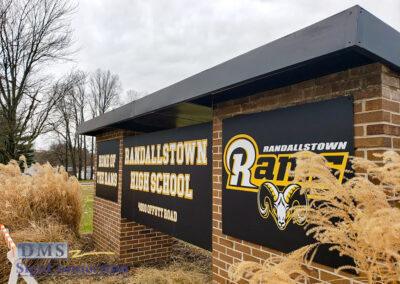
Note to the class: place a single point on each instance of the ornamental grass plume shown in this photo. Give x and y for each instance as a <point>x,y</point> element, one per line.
<point>42,207</point>
<point>358,218</point>
<point>276,269</point>
<point>47,192</point>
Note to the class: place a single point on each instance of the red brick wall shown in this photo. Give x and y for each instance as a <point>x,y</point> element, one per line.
<point>132,242</point>
<point>376,125</point>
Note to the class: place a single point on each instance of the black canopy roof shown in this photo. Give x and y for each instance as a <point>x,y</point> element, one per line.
<point>351,38</point>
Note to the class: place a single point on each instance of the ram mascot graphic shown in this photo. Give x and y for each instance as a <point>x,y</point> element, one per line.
<point>271,201</point>
<point>241,157</point>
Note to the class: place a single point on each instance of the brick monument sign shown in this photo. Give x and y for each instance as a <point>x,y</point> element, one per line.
<point>204,160</point>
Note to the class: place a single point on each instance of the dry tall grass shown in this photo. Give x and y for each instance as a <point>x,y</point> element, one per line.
<point>356,218</point>
<point>48,193</point>
<point>44,207</point>
<point>275,270</point>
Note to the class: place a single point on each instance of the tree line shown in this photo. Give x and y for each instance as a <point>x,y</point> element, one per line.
<point>33,35</point>
<point>83,96</point>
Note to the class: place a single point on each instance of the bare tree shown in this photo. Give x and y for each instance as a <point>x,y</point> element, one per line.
<point>67,116</point>
<point>32,33</point>
<point>105,89</point>
<point>79,108</point>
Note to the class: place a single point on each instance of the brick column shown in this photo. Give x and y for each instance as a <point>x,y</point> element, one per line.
<point>377,117</point>
<point>133,243</point>
<point>376,91</point>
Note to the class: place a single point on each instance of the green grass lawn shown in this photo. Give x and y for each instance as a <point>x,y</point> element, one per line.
<point>85,180</point>
<point>87,209</point>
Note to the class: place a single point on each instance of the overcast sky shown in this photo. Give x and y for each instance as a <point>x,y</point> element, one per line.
<point>154,43</point>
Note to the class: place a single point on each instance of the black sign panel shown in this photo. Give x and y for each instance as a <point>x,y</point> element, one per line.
<point>107,170</point>
<point>167,182</point>
<point>257,188</point>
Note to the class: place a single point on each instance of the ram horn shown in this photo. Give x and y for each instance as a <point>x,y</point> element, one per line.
<point>267,194</point>
<point>290,191</point>
<point>293,197</point>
